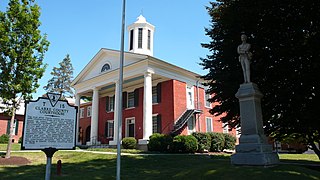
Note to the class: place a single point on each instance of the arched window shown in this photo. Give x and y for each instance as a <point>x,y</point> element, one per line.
<point>105,67</point>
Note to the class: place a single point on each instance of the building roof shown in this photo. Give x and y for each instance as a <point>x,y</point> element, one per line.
<point>130,58</point>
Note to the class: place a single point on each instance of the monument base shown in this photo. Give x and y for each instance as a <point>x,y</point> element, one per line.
<point>253,149</point>
<point>255,159</point>
<point>113,143</point>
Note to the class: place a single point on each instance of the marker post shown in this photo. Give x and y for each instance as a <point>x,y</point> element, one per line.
<point>49,153</point>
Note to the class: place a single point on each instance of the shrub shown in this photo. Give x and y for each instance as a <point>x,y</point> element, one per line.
<point>204,141</point>
<point>217,141</point>
<point>20,140</point>
<point>129,143</point>
<point>4,138</point>
<point>184,144</point>
<point>230,141</point>
<point>159,142</point>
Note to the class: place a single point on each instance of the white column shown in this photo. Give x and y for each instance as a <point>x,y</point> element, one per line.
<point>94,116</point>
<point>147,108</point>
<point>115,115</point>
<point>77,103</point>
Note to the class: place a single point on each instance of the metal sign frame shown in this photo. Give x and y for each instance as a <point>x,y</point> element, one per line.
<point>48,105</point>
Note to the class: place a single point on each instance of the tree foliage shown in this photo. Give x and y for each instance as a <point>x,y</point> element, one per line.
<point>285,37</point>
<point>62,77</point>
<point>22,49</point>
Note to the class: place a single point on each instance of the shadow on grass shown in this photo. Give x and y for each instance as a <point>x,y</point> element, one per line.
<point>157,167</point>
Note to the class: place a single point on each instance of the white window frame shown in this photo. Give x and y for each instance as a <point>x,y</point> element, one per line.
<point>140,38</point>
<point>209,119</point>
<point>154,95</point>
<point>190,97</point>
<point>111,108</point>
<point>154,115</point>
<point>225,127</point>
<point>193,120</point>
<point>206,100</point>
<point>129,100</point>
<point>89,111</point>
<point>104,69</point>
<point>133,121</point>
<point>81,113</point>
<point>109,135</point>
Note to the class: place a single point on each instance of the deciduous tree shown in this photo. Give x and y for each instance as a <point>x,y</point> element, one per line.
<point>22,49</point>
<point>285,38</point>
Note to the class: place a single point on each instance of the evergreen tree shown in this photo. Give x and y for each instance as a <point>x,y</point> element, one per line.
<point>22,50</point>
<point>62,78</point>
<point>285,38</point>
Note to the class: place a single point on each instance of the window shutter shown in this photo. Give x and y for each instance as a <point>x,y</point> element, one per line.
<point>158,92</point>
<point>17,126</point>
<point>124,100</point>
<point>8,127</point>
<point>159,123</point>
<point>107,104</point>
<point>136,97</point>
<point>106,129</point>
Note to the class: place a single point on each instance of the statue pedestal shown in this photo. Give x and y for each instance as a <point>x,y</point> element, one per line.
<point>253,148</point>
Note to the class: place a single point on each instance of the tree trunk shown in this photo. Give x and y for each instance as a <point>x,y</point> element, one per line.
<point>8,153</point>
<point>315,149</point>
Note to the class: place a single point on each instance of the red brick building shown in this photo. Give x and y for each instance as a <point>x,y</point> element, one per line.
<point>157,96</point>
<point>18,123</point>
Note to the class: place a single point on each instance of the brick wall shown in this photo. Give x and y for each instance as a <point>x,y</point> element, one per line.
<point>165,107</point>
<point>4,120</point>
<point>173,104</point>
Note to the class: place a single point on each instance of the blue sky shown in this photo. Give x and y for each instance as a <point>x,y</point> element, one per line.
<point>81,27</point>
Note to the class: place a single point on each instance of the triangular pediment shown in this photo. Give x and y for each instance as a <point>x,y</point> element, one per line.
<point>106,60</point>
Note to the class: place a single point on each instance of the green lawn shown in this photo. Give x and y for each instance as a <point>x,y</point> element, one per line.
<point>85,165</point>
<point>14,147</point>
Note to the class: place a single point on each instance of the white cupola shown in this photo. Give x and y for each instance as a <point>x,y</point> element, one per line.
<point>140,35</point>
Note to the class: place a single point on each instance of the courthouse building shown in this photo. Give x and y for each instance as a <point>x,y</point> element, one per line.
<point>158,97</point>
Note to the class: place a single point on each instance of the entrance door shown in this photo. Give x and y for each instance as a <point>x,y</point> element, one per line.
<point>190,98</point>
<point>88,131</point>
<point>130,127</point>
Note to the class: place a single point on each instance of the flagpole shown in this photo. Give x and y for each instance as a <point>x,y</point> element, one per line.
<point>119,118</point>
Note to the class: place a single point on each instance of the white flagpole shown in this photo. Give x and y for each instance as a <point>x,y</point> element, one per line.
<point>119,118</point>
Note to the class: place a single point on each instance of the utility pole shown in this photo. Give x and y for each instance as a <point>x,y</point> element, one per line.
<point>119,118</point>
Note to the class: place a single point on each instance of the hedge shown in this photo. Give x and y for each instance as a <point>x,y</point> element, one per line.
<point>159,142</point>
<point>230,141</point>
<point>184,144</point>
<point>217,142</point>
<point>129,143</point>
<point>204,141</point>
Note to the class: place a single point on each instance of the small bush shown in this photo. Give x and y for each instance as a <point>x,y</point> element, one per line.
<point>159,142</point>
<point>129,143</point>
<point>217,142</point>
<point>4,138</point>
<point>204,141</point>
<point>230,141</point>
<point>20,140</point>
<point>184,144</point>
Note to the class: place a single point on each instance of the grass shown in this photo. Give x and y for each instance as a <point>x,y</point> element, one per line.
<point>85,165</point>
<point>14,147</point>
<point>132,151</point>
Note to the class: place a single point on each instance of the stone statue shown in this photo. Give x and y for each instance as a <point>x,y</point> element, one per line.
<point>244,57</point>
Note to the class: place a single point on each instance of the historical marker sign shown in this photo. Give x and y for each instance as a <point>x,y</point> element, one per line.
<point>49,123</point>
